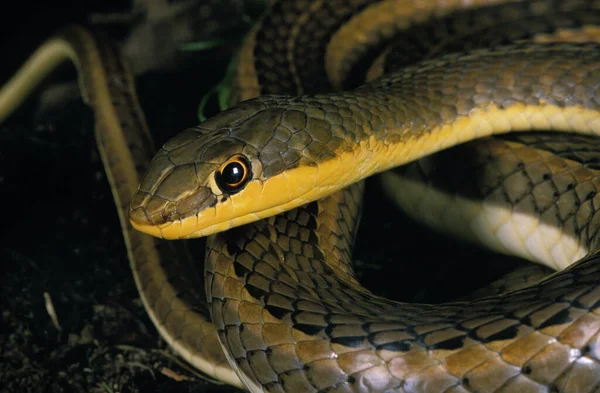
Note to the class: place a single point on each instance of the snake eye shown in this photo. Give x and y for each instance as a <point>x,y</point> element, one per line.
<point>233,175</point>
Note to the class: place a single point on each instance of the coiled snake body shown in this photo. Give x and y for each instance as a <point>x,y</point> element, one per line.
<point>281,293</point>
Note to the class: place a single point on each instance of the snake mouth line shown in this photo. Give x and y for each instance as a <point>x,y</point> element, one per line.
<point>173,230</point>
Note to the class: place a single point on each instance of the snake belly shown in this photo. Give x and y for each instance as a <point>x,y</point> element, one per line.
<point>283,296</point>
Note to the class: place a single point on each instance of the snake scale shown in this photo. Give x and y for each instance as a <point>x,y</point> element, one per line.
<point>275,182</point>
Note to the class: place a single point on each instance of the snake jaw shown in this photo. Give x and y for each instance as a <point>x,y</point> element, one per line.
<point>152,214</point>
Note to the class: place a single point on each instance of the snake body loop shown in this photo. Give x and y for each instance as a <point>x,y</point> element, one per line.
<point>282,295</point>
<point>284,299</point>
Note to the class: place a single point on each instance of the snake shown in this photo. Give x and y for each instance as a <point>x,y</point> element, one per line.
<point>326,94</point>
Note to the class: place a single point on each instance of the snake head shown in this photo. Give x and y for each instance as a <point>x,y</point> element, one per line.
<point>233,169</point>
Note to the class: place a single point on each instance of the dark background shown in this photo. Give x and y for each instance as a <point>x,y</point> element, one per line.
<point>61,235</point>
<point>24,24</point>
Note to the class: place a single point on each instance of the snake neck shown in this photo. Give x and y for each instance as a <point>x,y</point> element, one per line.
<point>336,139</point>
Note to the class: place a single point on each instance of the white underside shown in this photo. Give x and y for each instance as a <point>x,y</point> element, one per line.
<point>490,224</point>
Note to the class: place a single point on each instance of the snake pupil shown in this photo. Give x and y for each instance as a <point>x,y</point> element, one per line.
<point>233,175</point>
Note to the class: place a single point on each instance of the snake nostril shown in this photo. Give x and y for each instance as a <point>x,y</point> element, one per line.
<point>151,210</point>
